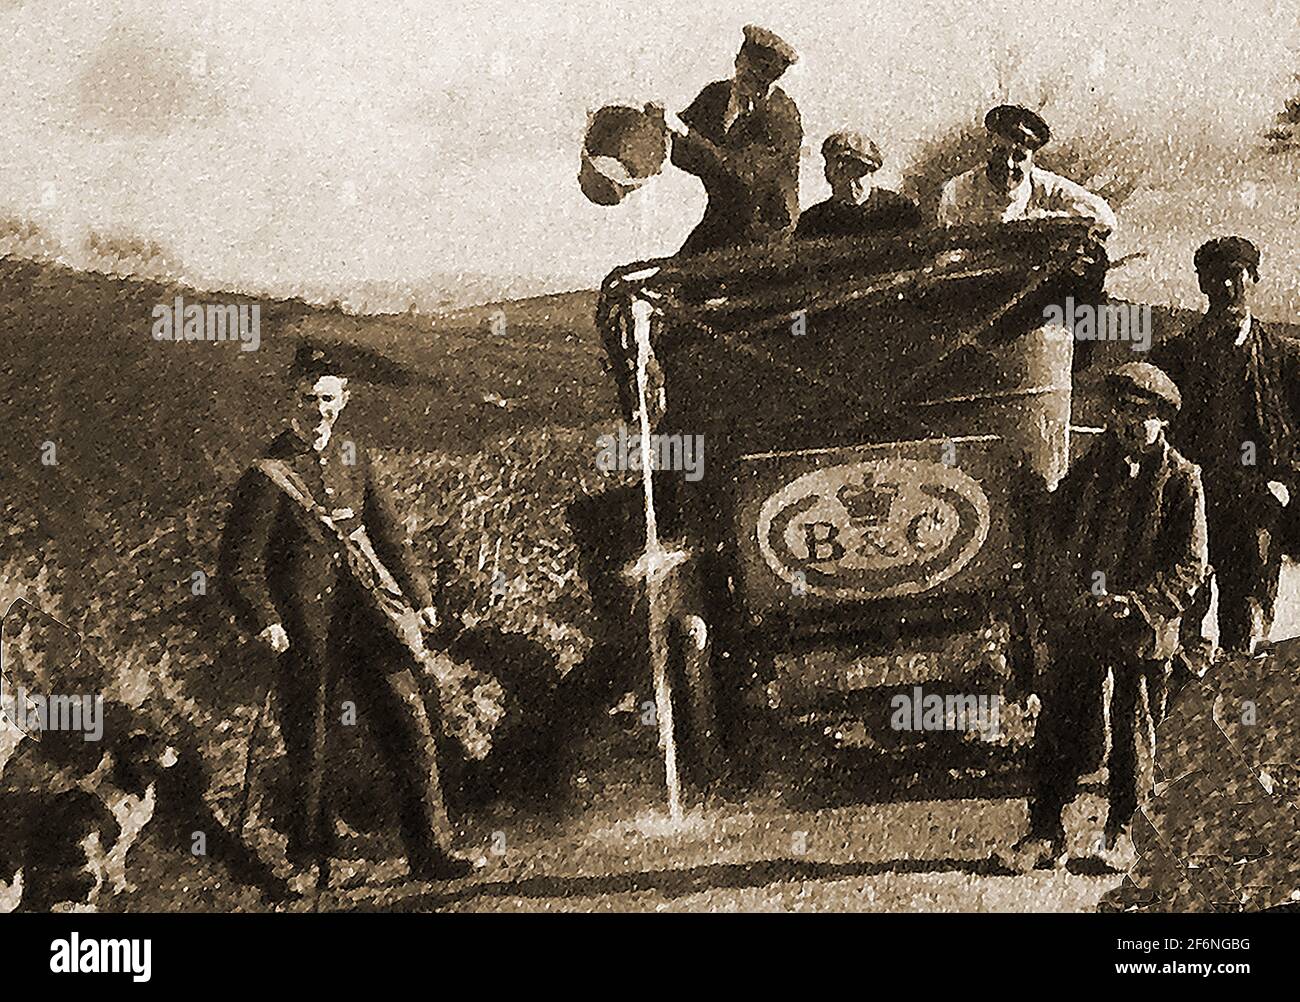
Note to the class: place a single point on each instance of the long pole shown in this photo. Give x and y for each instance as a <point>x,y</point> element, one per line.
<point>655,564</point>
<point>241,813</point>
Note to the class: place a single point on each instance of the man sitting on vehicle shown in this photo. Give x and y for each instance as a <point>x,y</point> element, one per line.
<point>1010,186</point>
<point>856,206</point>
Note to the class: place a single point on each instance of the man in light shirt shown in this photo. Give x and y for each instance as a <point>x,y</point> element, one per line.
<point>1010,186</point>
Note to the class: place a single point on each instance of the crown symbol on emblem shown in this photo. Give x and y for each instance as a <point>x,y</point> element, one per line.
<point>869,502</point>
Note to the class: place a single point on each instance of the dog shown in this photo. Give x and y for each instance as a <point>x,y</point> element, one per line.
<point>72,811</point>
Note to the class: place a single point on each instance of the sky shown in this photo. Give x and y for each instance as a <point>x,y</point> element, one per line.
<point>328,147</point>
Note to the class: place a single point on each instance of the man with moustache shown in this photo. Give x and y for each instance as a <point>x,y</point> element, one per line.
<point>742,138</point>
<point>1244,379</point>
<point>1010,186</point>
<point>304,517</point>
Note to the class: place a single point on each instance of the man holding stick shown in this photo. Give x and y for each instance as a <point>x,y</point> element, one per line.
<point>318,569</point>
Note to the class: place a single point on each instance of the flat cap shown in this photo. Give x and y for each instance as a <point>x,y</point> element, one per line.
<point>1020,125</point>
<point>1224,253</point>
<point>770,44</point>
<point>1146,383</point>
<point>852,146</point>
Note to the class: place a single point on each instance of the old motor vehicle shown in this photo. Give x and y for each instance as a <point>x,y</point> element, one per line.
<point>881,416</point>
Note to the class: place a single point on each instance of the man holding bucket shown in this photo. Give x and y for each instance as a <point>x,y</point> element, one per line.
<point>742,139</point>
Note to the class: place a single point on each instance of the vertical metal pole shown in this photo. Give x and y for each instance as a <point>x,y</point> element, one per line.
<point>654,564</point>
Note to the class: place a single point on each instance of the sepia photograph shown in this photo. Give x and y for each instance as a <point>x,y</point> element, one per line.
<point>590,458</point>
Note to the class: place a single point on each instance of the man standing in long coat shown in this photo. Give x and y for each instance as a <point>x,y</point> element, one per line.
<point>297,512</point>
<point>1241,381</point>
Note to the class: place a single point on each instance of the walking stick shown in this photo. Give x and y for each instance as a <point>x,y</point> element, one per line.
<point>241,814</point>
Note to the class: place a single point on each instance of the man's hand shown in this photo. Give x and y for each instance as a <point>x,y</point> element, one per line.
<point>275,638</point>
<point>1098,230</point>
<point>696,145</point>
<point>429,617</point>
<point>1279,491</point>
<point>671,122</point>
<point>654,110</point>
<point>1114,606</point>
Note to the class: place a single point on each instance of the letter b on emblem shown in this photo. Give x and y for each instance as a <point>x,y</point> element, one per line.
<point>821,539</point>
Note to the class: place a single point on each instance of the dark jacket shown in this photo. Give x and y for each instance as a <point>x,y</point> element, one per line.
<point>1145,533</point>
<point>753,182</point>
<point>1260,382</point>
<point>278,563</point>
<point>884,211</point>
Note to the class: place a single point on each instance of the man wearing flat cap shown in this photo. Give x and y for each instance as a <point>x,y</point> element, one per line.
<point>856,206</point>
<point>1009,186</point>
<point>1121,555</point>
<point>1242,382</point>
<point>742,139</point>
<point>310,533</point>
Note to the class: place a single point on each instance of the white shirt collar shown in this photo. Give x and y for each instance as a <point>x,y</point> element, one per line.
<point>867,191</point>
<point>1133,461</point>
<point>737,105</point>
<point>1243,333</point>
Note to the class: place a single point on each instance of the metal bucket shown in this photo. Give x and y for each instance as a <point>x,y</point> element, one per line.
<point>624,147</point>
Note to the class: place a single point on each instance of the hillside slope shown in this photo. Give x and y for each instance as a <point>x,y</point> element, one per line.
<point>143,428</point>
<point>484,427</point>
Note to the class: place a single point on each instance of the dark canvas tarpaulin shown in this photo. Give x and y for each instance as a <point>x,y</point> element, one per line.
<point>835,342</point>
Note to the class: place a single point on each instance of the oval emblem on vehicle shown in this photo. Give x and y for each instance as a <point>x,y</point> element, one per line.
<point>873,529</point>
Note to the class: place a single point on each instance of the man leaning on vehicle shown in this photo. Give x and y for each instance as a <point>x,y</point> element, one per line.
<point>1010,186</point>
